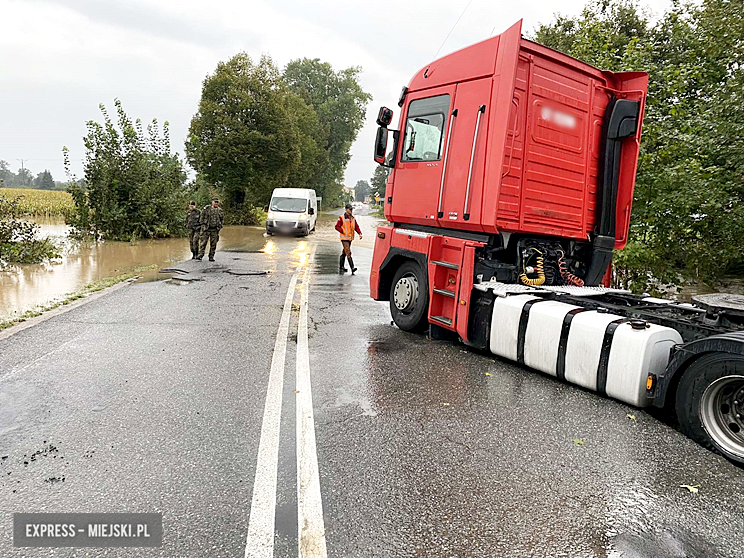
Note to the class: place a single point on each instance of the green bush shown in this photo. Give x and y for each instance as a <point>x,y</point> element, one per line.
<point>134,187</point>
<point>18,242</point>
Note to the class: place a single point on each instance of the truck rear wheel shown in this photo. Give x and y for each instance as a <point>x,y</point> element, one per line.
<point>710,403</point>
<point>409,297</point>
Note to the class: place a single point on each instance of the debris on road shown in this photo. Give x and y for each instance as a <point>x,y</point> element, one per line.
<point>631,417</point>
<point>692,489</point>
<point>239,273</point>
<point>578,441</point>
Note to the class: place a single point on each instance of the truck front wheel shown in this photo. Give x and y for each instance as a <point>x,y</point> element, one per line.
<point>710,403</point>
<point>409,297</point>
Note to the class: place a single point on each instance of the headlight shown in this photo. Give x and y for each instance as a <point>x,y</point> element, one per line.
<point>303,217</point>
<point>270,215</point>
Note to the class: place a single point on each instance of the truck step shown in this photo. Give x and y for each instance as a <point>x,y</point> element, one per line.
<point>445,292</point>
<point>446,264</point>
<point>442,320</point>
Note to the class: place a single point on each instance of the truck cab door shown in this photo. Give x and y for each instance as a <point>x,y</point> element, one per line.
<point>462,189</point>
<point>419,161</point>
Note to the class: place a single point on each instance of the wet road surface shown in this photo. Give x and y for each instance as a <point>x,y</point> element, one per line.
<point>154,399</point>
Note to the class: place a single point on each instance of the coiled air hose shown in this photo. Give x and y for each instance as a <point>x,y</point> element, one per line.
<point>539,270</point>
<point>567,276</point>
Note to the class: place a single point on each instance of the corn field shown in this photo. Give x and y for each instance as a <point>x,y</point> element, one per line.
<point>40,203</point>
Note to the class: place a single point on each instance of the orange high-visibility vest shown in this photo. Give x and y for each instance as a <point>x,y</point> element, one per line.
<point>349,226</point>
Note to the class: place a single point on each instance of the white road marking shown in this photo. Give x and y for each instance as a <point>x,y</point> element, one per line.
<point>260,539</point>
<point>311,529</point>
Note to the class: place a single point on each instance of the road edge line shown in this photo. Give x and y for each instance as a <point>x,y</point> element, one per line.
<point>54,312</point>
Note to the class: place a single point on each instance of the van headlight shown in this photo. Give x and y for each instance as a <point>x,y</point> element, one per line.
<point>303,217</point>
<point>270,215</point>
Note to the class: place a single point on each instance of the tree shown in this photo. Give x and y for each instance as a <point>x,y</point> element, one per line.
<point>251,135</point>
<point>361,190</point>
<point>134,186</point>
<point>6,175</point>
<point>379,178</point>
<point>340,103</point>
<point>44,181</point>
<point>688,218</point>
<point>23,178</point>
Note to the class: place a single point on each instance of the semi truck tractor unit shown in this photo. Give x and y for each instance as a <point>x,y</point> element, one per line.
<point>510,185</point>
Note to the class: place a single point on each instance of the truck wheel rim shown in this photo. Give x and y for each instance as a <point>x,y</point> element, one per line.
<point>722,412</point>
<point>406,293</point>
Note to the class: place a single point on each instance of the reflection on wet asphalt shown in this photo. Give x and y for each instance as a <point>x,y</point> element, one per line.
<point>425,448</point>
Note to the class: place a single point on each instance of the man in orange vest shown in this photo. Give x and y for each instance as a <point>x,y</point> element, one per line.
<point>346,227</point>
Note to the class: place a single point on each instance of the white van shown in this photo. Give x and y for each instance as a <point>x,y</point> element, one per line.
<point>292,211</point>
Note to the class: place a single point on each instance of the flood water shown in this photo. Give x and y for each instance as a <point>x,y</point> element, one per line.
<point>27,287</point>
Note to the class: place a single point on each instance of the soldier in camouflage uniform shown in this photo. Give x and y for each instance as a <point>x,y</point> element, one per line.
<point>191,222</point>
<point>212,220</point>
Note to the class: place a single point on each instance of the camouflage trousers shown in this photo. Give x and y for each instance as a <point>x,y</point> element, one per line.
<point>194,240</point>
<point>213,237</point>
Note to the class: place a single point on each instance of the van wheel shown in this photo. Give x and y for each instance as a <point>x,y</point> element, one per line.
<point>710,403</point>
<point>409,297</point>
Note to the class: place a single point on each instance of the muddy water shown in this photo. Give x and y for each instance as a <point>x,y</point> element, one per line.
<point>26,287</point>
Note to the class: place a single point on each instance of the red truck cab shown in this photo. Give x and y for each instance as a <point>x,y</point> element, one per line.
<point>513,162</point>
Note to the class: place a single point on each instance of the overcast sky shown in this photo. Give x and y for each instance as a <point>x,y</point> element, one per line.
<point>60,58</point>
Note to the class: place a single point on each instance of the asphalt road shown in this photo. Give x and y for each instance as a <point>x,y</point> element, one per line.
<point>153,398</point>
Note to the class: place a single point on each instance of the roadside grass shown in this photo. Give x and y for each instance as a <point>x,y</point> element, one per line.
<point>40,203</point>
<point>88,289</point>
<point>378,212</point>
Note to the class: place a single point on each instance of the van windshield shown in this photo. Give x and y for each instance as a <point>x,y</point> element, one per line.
<point>293,205</point>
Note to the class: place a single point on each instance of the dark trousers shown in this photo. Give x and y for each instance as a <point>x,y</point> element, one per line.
<point>194,240</point>
<point>213,237</point>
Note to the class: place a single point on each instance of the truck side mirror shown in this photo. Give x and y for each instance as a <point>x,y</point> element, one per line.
<point>311,211</point>
<point>384,117</point>
<point>381,145</point>
<point>266,207</point>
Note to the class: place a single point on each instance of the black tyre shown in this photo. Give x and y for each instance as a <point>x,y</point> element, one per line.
<point>409,297</point>
<point>710,404</point>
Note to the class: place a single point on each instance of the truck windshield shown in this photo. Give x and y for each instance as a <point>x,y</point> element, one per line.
<point>425,128</point>
<point>293,205</point>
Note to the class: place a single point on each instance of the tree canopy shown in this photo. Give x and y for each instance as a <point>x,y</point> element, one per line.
<point>688,218</point>
<point>361,190</point>
<point>258,129</point>
<point>133,187</point>
<point>379,178</point>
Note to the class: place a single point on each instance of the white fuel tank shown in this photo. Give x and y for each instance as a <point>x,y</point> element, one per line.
<point>507,311</point>
<point>584,347</point>
<point>543,335</point>
<point>596,350</point>
<point>635,354</point>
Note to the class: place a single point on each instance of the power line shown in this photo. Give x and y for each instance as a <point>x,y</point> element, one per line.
<point>450,33</point>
